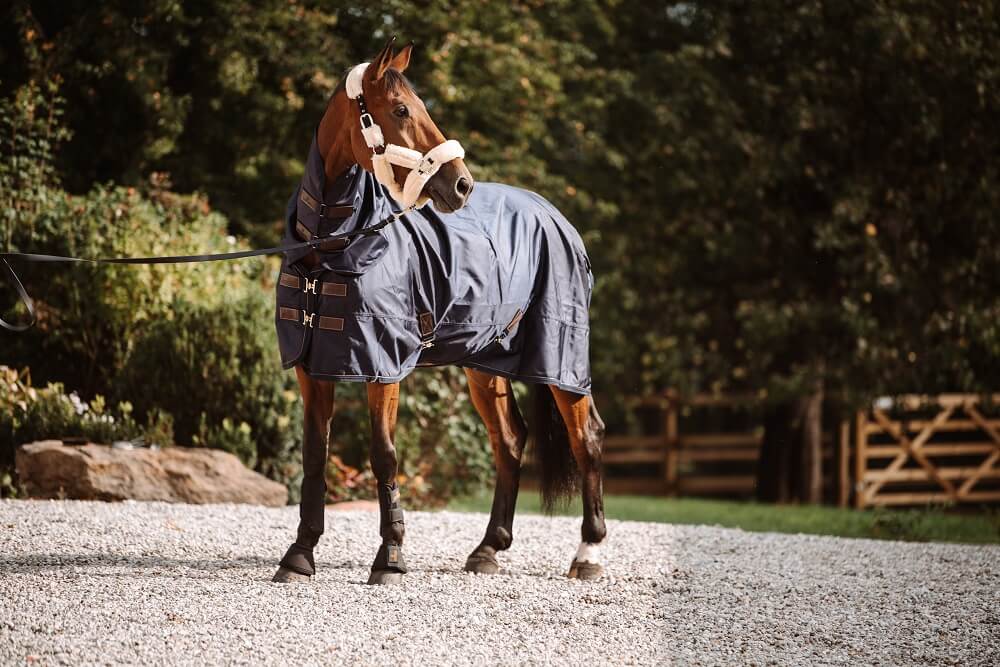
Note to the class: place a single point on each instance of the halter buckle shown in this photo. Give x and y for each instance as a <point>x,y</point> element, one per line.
<point>307,320</point>
<point>310,287</point>
<point>371,132</point>
<point>426,165</point>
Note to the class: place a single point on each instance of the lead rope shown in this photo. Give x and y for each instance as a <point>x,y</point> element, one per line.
<point>29,304</point>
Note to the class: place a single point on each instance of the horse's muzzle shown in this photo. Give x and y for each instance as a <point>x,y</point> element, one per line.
<point>451,187</point>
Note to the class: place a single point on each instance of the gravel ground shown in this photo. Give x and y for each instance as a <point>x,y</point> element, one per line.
<point>96,583</point>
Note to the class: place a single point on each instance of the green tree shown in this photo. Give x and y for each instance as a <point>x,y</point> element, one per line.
<point>220,95</point>
<point>825,187</point>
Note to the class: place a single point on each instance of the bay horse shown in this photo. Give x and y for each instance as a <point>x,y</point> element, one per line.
<point>491,278</point>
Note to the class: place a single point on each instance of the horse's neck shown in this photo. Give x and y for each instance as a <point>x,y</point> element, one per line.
<point>334,137</point>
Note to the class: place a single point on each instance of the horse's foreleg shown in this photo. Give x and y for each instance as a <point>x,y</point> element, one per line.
<point>317,400</point>
<point>494,401</point>
<point>383,402</point>
<point>586,437</point>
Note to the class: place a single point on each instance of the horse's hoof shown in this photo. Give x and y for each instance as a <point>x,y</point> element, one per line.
<point>482,564</point>
<point>385,578</point>
<point>286,576</point>
<point>585,571</point>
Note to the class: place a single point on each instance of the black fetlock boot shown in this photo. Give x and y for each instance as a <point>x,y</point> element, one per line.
<point>389,566</point>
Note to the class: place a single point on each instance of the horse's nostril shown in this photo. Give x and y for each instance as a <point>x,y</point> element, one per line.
<point>463,186</point>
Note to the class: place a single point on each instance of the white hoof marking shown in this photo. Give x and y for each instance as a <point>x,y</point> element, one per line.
<point>589,553</point>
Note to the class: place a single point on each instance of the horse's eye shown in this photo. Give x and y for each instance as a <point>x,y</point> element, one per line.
<point>401,111</point>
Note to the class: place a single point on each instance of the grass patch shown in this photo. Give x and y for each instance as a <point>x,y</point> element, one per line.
<point>935,524</point>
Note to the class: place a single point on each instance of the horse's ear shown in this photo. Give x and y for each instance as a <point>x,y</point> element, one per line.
<point>383,60</point>
<point>402,59</point>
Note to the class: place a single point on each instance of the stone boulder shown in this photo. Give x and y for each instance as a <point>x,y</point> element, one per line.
<point>50,469</point>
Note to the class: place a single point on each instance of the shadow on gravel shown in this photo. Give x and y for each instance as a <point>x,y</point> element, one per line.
<point>104,565</point>
<point>504,572</point>
<point>154,564</point>
<point>158,566</point>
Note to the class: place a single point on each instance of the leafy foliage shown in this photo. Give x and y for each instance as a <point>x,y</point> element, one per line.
<point>30,130</point>
<point>179,80</point>
<point>226,387</point>
<point>827,197</point>
<point>442,446</point>
<point>28,414</point>
<point>190,347</point>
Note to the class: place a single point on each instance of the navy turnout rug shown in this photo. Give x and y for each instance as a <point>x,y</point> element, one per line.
<point>502,285</point>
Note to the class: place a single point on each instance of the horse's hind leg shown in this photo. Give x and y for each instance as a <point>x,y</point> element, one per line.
<point>383,402</point>
<point>494,400</point>
<point>317,400</point>
<point>586,437</point>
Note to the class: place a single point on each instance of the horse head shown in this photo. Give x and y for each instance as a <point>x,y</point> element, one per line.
<point>394,137</point>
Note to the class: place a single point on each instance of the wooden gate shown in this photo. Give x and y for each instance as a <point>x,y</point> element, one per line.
<point>918,450</point>
<point>683,458</point>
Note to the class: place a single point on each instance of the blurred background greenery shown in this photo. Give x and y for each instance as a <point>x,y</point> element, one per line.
<point>795,200</point>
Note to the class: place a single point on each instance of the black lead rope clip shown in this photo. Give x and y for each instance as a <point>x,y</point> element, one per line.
<point>25,299</point>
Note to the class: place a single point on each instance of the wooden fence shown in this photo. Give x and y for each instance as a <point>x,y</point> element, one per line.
<point>918,450</point>
<point>683,461</point>
<point>910,450</point>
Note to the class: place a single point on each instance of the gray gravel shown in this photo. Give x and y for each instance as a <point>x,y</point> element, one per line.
<point>95,583</point>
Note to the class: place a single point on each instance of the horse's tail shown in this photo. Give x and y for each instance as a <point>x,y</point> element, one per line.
<point>558,472</point>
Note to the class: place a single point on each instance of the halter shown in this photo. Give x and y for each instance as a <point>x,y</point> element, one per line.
<point>422,166</point>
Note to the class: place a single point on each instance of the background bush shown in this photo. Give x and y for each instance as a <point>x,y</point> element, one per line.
<point>441,444</point>
<point>190,345</point>
<point>28,414</point>
<point>214,366</point>
<point>195,342</point>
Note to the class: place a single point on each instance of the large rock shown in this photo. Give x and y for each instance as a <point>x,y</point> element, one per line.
<point>50,469</point>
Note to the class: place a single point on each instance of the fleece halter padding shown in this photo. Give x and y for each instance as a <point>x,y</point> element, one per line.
<point>422,166</point>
